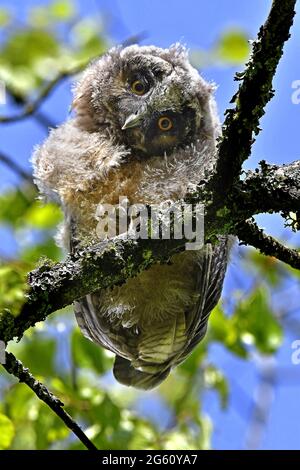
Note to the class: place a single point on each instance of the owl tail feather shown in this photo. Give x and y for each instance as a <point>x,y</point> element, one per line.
<point>126,374</point>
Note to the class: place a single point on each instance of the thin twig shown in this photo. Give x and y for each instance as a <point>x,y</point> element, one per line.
<point>15,367</point>
<point>31,107</point>
<point>250,234</point>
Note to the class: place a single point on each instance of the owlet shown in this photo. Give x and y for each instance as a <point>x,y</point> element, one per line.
<point>145,127</point>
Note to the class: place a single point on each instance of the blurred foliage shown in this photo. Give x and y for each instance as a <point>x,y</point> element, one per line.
<point>252,323</point>
<point>33,224</point>
<point>52,39</point>
<point>231,49</point>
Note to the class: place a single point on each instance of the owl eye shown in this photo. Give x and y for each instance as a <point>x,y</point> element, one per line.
<point>165,123</point>
<point>139,87</point>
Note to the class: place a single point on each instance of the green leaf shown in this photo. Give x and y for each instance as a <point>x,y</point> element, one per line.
<point>5,17</point>
<point>181,440</point>
<point>206,428</point>
<point>21,200</point>
<point>256,323</point>
<point>233,47</point>
<point>20,402</point>
<point>214,378</point>
<point>222,329</point>
<point>62,10</point>
<point>48,428</point>
<point>252,324</point>
<point>13,285</point>
<point>7,432</point>
<point>38,353</point>
<point>27,45</point>
<point>88,355</point>
<point>20,53</point>
<point>143,436</point>
<point>43,216</point>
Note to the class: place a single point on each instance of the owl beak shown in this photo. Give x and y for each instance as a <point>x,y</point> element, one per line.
<point>133,120</point>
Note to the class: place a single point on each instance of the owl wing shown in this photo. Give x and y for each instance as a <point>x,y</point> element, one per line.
<point>210,280</point>
<point>169,344</point>
<point>144,360</point>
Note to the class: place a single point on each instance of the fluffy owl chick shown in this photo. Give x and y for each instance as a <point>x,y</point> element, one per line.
<point>145,128</point>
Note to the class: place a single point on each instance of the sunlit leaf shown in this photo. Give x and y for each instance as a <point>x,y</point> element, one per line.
<point>48,428</point>
<point>43,215</point>
<point>7,431</point>
<point>252,325</point>
<point>205,433</point>
<point>26,45</point>
<point>222,329</point>
<point>233,47</point>
<point>143,436</point>
<point>62,10</point>
<point>254,318</point>
<point>13,285</point>
<point>215,379</point>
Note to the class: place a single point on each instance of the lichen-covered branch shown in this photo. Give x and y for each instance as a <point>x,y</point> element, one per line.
<point>108,263</point>
<point>53,286</point>
<point>271,188</point>
<point>250,234</point>
<point>255,90</point>
<point>15,367</point>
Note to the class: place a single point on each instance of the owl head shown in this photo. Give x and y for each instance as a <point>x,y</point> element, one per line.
<point>150,100</point>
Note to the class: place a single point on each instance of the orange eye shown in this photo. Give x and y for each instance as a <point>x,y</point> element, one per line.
<point>164,123</point>
<point>138,87</point>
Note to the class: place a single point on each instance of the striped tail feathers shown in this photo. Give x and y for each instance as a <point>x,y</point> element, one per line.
<point>126,374</point>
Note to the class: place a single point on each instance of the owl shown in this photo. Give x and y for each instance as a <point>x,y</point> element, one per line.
<point>144,126</point>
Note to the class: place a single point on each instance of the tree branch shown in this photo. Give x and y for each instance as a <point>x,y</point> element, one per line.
<point>40,116</point>
<point>271,188</point>
<point>31,107</point>
<point>250,234</point>
<point>255,90</point>
<point>54,286</point>
<point>15,367</point>
<point>112,262</point>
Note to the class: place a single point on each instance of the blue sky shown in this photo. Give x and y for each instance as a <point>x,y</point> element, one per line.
<point>199,24</point>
